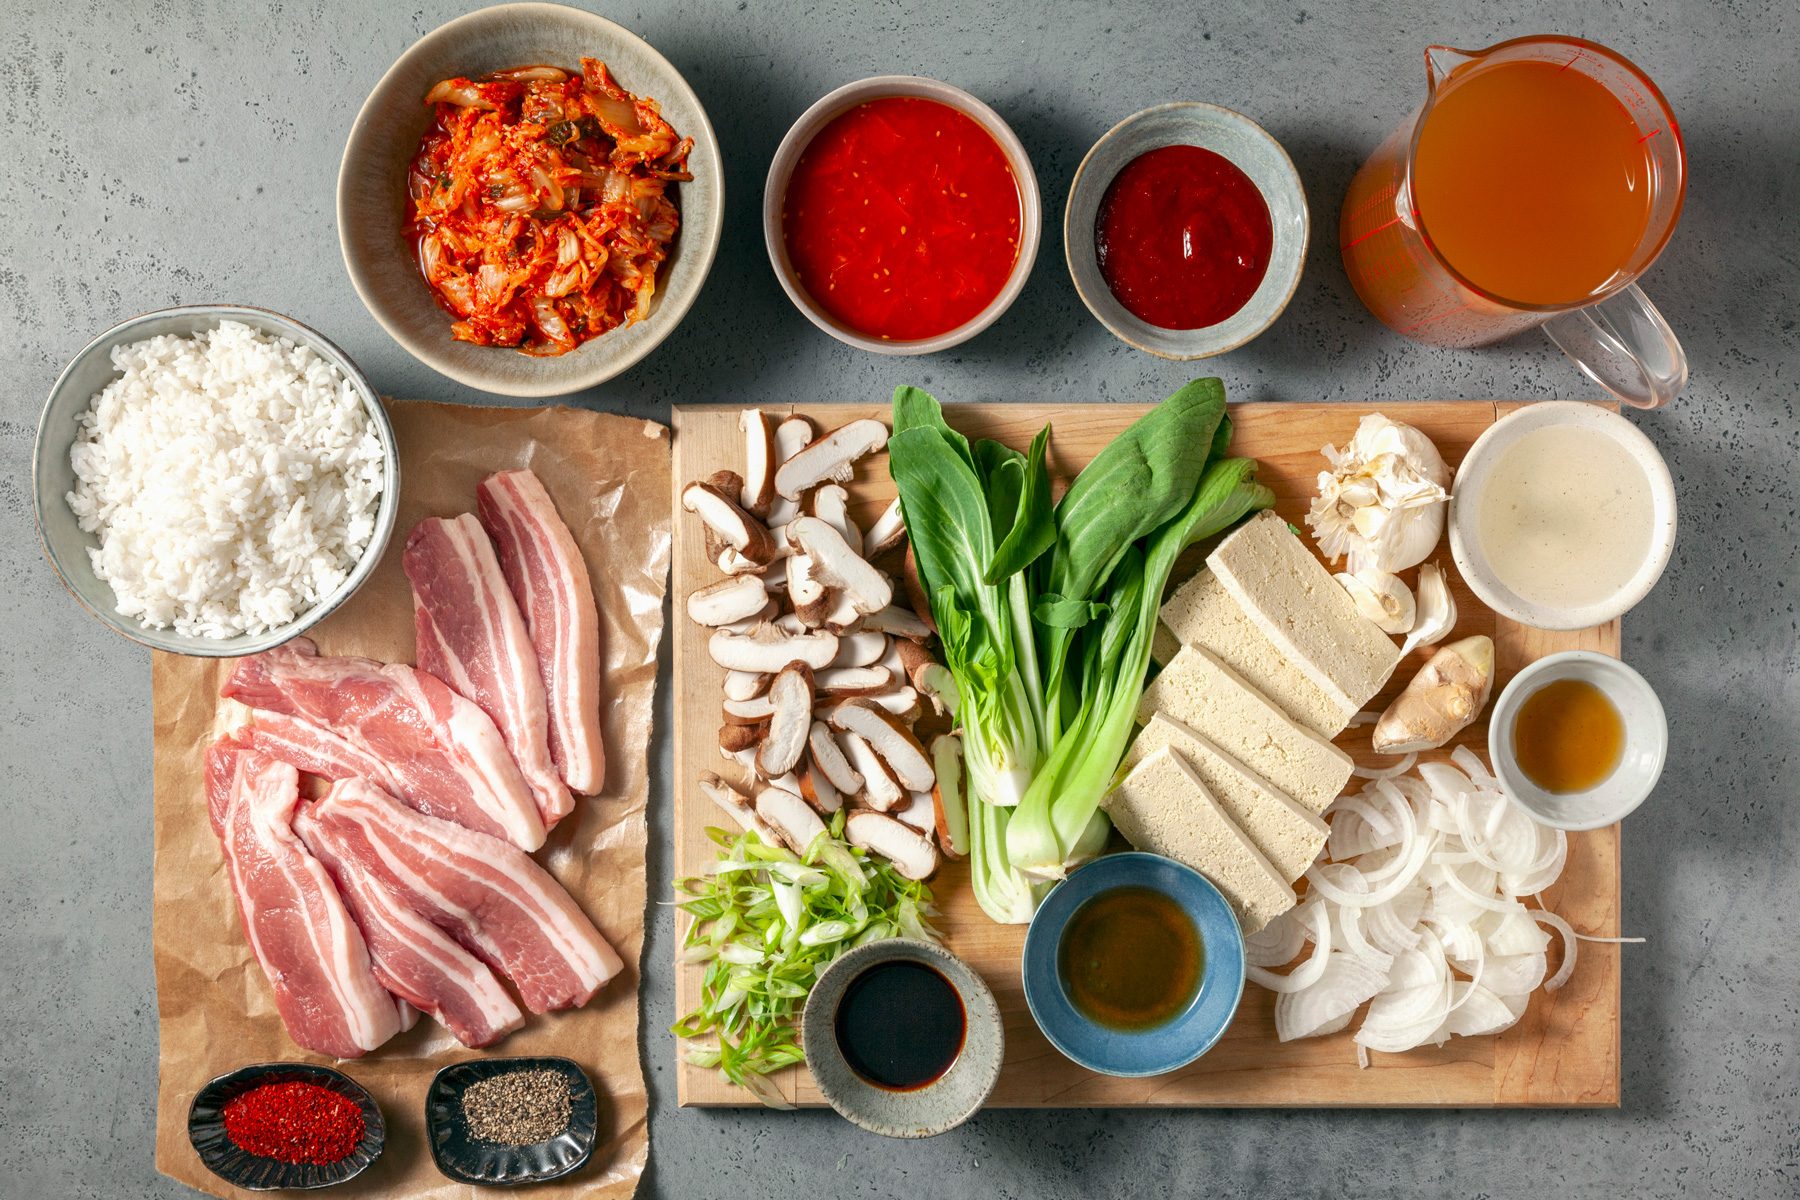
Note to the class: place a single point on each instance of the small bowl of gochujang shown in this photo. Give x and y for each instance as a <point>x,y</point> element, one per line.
<point>901,215</point>
<point>285,1126</point>
<point>903,1038</point>
<point>1186,230</point>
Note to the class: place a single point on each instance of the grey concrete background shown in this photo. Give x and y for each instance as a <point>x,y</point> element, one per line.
<point>169,152</point>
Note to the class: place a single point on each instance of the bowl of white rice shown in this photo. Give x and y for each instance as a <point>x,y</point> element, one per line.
<point>213,480</point>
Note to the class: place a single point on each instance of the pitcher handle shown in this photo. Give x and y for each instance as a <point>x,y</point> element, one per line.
<point>1623,344</point>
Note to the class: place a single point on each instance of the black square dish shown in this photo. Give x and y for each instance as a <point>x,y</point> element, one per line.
<point>466,1159</point>
<point>253,1172</point>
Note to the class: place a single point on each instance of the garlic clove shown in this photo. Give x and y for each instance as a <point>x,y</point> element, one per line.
<point>1382,504</point>
<point>1436,610</point>
<point>1382,598</point>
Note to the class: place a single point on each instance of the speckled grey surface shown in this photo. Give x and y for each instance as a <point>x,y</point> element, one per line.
<point>167,152</point>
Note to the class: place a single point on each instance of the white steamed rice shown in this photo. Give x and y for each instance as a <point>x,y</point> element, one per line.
<point>231,477</point>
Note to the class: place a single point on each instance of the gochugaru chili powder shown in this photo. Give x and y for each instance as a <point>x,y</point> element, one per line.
<point>294,1122</point>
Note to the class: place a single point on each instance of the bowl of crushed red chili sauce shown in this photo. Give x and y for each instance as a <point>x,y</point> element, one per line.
<point>1186,230</point>
<point>530,200</point>
<point>901,215</point>
<point>276,1126</point>
<point>498,1122</point>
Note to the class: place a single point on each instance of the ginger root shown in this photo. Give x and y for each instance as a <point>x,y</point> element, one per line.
<point>1442,700</point>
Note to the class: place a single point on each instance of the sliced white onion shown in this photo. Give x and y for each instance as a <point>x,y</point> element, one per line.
<point>1366,717</point>
<point>1308,972</point>
<point>1568,936</point>
<point>1399,768</point>
<point>1344,985</point>
<point>1276,943</point>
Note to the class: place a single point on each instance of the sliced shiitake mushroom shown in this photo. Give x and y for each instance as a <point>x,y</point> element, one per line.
<point>913,656</point>
<point>767,649</point>
<point>860,649</point>
<point>733,526</point>
<point>733,563</point>
<point>758,489</point>
<point>934,681</point>
<point>754,711</point>
<point>827,757</point>
<point>817,790</point>
<point>880,790</point>
<point>902,703</point>
<point>792,819</point>
<point>831,504</point>
<point>951,814</point>
<point>745,685</point>
<point>790,700</point>
<point>736,737</point>
<point>736,805</point>
<point>836,565</point>
<point>917,812</point>
<point>853,681</point>
<point>886,534</point>
<point>876,832</point>
<point>831,458</point>
<point>900,622</point>
<point>732,599</point>
<point>893,741</point>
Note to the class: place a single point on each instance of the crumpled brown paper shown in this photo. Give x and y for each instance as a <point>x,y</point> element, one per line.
<point>609,477</point>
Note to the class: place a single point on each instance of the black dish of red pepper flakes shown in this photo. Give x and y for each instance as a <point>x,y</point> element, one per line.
<point>285,1126</point>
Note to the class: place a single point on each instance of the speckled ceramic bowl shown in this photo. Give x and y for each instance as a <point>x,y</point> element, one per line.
<point>1250,148</point>
<point>1138,1052</point>
<point>1640,767</point>
<point>254,1173</point>
<point>66,545</point>
<point>935,1108</point>
<point>827,109</point>
<point>1470,486</point>
<point>371,193</point>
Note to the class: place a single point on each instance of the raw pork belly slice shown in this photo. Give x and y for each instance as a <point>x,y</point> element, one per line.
<point>314,749</point>
<point>472,637</point>
<point>487,894</point>
<point>315,958</point>
<point>549,579</point>
<point>442,753</point>
<point>416,960</point>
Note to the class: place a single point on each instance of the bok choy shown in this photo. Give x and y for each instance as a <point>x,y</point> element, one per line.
<point>1047,612</point>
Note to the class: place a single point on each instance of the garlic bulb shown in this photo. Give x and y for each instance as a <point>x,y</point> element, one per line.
<point>1436,610</point>
<point>1381,597</point>
<point>1382,503</point>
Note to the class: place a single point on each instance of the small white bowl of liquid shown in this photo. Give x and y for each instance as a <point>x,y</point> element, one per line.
<point>1562,516</point>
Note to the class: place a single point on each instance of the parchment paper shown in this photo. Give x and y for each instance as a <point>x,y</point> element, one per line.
<point>609,477</point>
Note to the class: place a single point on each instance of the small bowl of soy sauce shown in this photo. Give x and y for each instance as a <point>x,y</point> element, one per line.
<point>903,1038</point>
<point>1134,965</point>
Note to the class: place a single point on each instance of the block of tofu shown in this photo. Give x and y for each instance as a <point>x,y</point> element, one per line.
<point>1286,834</point>
<point>1306,613</point>
<point>1163,807</point>
<point>1213,700</point>
<point>1203,613</point>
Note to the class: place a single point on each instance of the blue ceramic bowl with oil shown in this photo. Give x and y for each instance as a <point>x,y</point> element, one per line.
<point>1197,1022</point>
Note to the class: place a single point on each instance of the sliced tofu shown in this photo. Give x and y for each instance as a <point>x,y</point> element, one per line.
<point>1209,697</point>
<point>1203,613</point>
<point>1306,613</point>
<point>1163,807</point>
<point>1285,834</point>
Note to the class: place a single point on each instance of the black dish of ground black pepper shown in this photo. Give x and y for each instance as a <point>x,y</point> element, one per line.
<point>504,1121</point>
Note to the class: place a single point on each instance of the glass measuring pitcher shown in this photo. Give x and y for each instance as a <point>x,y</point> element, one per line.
<point>1538,179</point>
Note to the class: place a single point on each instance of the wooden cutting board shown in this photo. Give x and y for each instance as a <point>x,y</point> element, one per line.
<point>1563,1053</point>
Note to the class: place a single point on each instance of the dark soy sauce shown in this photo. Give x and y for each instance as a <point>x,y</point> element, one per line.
<point>1130,959</point>
<point>900,1025</point>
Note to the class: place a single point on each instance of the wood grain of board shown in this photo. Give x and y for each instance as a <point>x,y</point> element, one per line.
<point>1563,1053</point>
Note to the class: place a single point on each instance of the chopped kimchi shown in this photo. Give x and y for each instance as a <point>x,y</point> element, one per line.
<point>540,207</point>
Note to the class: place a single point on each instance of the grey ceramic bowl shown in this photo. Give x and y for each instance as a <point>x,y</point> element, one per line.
<point>1250,148</point>
<point>371,193</point>
<point>52,478</point>
<point>936,1108</point>
<point>827,109</point>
